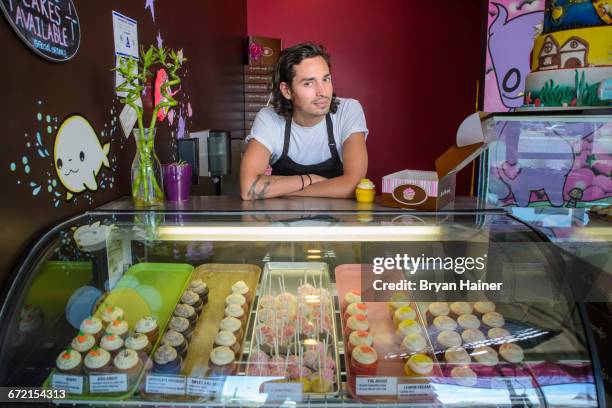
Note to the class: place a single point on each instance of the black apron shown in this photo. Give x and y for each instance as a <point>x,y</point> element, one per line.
<point>329,168</point>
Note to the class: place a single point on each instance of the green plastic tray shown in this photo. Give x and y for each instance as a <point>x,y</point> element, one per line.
<point>145,289</point>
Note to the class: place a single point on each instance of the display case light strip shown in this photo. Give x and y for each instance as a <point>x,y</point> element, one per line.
<point>275,234</point>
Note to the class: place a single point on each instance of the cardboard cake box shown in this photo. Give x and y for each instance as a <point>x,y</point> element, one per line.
<point>432,190</point>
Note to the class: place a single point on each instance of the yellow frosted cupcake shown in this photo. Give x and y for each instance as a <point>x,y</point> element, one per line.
<point>418,365</point>
<point>365,191</point>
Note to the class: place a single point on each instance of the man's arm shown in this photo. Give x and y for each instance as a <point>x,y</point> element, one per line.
<point>255,185</point>
<point>355,160</point>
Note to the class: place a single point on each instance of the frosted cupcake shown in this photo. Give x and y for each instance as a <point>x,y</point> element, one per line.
<point>181,325</point>
<point>464,376</point>
<point>468,321</point>
<point>460,308</point>
<point>148,326</point>
<point>418,365</point>
<point>448,338</point>
<point>413,343</point>
<point>188,312</point>
<point>236,299</point>
<point>492,320</point>
<point>83,343</point>
<point>473,337</point>
<point>485,355</point>
<point>222,361</point>
<point>118,327</point>
<point>511,352</point>
<point>227,339</point>
<point>356,308</point>
<point>97,360</point>
<point>111,313</point>
<point>365,192</point>
<point>241,288</point>
<point>364,361</point>
<point>177,341</point>
<point>127,362</point>
<point>457,355</point>
<point>407,327</point>
<point>498,335</point>
<point>192,299</point>
<point>442,323</point>
<point>352,296</point>
<point>92,325</point>
<point>233,325</point>
<point>236,311</point>
<point>356,322</point>
<point>200,288</point>
<point>69,361</point>
<point>481,308</point>
<point>436,309</point>
<point>140,344</point>
<point>111,343</point>
<point>166,360</point>
<point>403,313</point>
<point>359,338</point>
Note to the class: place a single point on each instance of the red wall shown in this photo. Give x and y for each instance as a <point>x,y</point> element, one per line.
<point>413,65</point>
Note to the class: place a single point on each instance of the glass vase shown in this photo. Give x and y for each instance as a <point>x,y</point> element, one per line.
<point>147,179</point>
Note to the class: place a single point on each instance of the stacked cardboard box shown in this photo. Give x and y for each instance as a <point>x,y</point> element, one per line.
<point>262,55</point>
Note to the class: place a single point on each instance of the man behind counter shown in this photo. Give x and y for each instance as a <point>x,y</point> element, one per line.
<point>314,141</point>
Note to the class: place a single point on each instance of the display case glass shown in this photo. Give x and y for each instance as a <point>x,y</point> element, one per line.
<point>265,308</point>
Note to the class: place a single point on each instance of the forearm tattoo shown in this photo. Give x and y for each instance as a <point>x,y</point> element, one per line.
<point>260,187</point>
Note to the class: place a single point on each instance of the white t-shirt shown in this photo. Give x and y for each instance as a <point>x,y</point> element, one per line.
<point>308,145</point>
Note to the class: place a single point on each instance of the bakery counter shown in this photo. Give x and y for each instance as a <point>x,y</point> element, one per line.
<point>241,307</point>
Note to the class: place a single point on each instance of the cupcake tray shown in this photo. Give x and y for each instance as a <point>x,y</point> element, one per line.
<point>219,279</point>
<point>387,346</point>
<point>146,289</point>
<point>292,274</point>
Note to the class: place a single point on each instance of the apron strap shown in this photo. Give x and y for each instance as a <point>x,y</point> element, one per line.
<point>287,138</point>
<point>331,142</point>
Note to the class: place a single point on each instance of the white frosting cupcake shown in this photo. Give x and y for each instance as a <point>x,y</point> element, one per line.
<point>126,359</point>
<point>68,360</point>
<point>165,354</point>
<point>189,297</point>
<point>111,342</point>
<point>468,321</point>
<point>234,311</point>
<point>497,333</point>
<point>512,352</point>
<point>493,319</point>
<point>438,309</point>
<point>137,341</point>
<point>83,342</point>
<point>484,307</point>
<point>413,343</point>
<point>222,355</point>
<point>485,355</point>
<point>360,337</point>
<point>225,338</point>
<point>97,358</point>
<point>358,322</point>
<point>91,325</point>
<point>457,355</point>
<point>240,288</point>
<point>464,376</point>
<point>231,324</point>
<point>444,323</point>
<point>472,336</point>
<point>364,355</point>
<point>180,324</point>
<point>173,338</point>
<point>352,297</point>
<point>235,299</point>
<point>461,308</point>
<point>408,327</point>
<point>357,308</point>
<point>118,327</point>
<point>112,313</point>
<point>448,338</point>
<point>146,324</point>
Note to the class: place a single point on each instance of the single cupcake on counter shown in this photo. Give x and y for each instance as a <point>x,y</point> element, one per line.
<point>418,365</point>
<point>236,299</point>
<point>83,342</point>
<point>485,355</point>
<point>492,320</point>
<point>200,288</point>
<point>448,338</point>
<point>364,361</point>
<point>111,313</point>
<point>473,337</point>
<point>181,325</point>
<point>359,338</point>
<point>403,313</point>
<point>177,341</point>
<point>97,360</point>
<point>481,308</point>
<point>441,323</point>
<point>460,308</point>
<point>498,335</point>
<point>227,339</point>
<point>413,343</point>
<point>166,360</point>
<point>236,311</point>
<point>436,309</point>
<point>407,327</point>
<point>192,299</point>
<point>127,362</point>
<point>364,192</point>
<point>69,361</point>
<point>148,326</point>
<point>457,355</point>
<point>118,327</point>
<point>352,296</point>
<point>511,352</point>
<point>356,308</point>
<point>188,312</point>
<point>111,343</point>
<point>356,322</point>
<point>139,343</point>
<point>468,321</point>
<point>233,325</point>
<point>241,288</point>
<point>92,325</point>
<point>222,361</point>
<point>464,376</point>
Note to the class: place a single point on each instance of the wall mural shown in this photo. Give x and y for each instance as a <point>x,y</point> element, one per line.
<point>512,30</point>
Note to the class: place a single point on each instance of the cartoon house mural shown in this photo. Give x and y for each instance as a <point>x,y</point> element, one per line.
<point>572,54</point>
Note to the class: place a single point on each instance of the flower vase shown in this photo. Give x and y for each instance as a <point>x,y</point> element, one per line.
<point>147,179</point>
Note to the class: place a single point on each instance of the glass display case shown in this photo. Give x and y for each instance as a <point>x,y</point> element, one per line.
<point>254,308</point>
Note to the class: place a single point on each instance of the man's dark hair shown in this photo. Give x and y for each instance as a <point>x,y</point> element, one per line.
<point>284,72</point>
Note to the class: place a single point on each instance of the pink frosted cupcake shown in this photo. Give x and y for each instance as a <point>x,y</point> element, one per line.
<point>356,308</point>
<point>356,322</point>
<point>358,338</point>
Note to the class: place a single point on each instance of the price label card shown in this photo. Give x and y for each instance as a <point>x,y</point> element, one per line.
<point>376,386</point>
<point>415,391</point>
<point>159,384</point>
<point>281,392</point>
<point>73,384</point>
<point>205,387</point>
<point>107,383</point>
